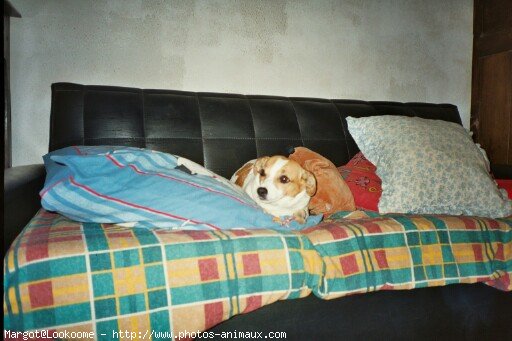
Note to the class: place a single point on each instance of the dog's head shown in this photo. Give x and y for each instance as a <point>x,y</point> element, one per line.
<point>278,178</point>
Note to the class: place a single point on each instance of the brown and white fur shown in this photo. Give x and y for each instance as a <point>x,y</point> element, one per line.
<point>279,185</point>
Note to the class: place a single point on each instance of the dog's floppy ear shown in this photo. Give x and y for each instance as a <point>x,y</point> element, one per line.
<point>260,164</point>
<point>310,181</point>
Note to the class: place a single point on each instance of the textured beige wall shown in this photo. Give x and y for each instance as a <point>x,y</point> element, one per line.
<point>403,50</point>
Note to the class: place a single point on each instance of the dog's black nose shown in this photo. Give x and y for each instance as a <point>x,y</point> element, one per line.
<point>262,192</point>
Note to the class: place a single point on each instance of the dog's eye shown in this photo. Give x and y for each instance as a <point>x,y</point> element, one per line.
<point>284,179</point>
<point>262,172</point>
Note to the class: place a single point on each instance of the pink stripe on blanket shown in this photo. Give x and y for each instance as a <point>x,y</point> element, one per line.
<point>137,170</point>
<point>78,151</point>
<point>90,190</point>
<point>43,193</point>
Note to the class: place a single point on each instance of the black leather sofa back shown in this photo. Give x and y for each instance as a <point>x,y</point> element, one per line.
<point>220,131</point>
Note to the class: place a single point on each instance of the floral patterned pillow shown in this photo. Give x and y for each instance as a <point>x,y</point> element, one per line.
<point>428,166</point>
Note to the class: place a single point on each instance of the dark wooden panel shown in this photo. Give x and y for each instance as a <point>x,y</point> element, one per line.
<point>498,42</point>
<point>491,85</point>
<point>496,16</point>
<point>495,75</point>
<point>7,95</point>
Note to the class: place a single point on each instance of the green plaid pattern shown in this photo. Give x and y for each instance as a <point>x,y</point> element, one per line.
<point>63,275</point>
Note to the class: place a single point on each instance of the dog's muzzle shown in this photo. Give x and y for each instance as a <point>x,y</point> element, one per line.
<point>262,193</point>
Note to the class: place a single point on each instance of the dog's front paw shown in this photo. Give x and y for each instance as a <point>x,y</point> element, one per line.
<point>300,220</point>
<point>300,216</point>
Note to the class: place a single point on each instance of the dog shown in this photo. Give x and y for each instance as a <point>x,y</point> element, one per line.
<point>279,185</point>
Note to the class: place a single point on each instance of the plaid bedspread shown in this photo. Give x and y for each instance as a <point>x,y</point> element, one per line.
<point>366,252</point>
<point>61,275</point>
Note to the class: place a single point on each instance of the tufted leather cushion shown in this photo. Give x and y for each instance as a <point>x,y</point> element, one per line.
<point>220,131</point>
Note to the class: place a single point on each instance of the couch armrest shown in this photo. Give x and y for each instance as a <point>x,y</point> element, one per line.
<point>501,171</point>
<point>21,198</point>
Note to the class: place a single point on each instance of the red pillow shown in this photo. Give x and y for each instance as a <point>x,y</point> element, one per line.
<point>360,176</point>
<point>360,163</point>
<point>502,183</point>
